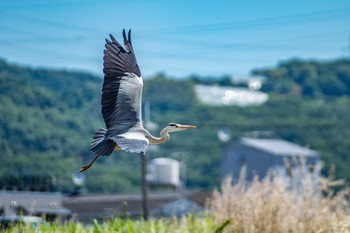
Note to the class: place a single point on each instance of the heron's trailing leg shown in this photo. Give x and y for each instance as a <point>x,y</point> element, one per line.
<point>88,166</point>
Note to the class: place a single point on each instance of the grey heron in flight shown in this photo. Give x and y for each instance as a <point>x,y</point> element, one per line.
<point>121,105</point>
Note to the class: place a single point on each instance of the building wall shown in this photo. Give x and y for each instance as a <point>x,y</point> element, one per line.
<point>235,156</point>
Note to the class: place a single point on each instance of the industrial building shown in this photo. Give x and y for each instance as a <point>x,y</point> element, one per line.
<point>258,156</point>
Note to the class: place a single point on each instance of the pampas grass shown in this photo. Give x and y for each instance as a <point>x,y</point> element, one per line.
<point>272,205</point>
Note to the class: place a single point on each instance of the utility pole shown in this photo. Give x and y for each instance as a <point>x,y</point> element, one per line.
<point>145,210</point>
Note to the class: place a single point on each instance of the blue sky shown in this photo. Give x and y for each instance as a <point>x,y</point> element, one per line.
<point>176,37</point>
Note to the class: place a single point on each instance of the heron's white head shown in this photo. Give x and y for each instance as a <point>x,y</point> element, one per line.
<point>174,127</point>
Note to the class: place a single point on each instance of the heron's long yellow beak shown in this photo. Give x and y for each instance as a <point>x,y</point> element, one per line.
<point>186,126</point>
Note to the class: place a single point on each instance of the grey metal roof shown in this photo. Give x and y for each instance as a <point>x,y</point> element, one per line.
<point>278,147</point>
<point>89,206</point>
<point>120,197</point>
<point>33,202</point>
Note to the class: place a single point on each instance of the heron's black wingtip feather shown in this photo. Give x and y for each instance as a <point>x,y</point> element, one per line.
<point>124,36</point>
<point>113,39</point>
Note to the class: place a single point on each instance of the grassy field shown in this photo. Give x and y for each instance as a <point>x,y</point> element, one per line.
<point>187,224</point>
<point>271,205</point>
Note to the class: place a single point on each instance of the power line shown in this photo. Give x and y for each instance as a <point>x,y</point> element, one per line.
<point>251,23</point>
<point>70,3</point>
<point>200,28</point>
<point>203,45</point>
<point>195,48</point>
<point>58,25</point>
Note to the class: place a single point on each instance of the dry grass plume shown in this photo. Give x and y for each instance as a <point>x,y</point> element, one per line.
<point>270,205</point>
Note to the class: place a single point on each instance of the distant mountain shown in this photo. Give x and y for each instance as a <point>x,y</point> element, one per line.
<point>48,117</point>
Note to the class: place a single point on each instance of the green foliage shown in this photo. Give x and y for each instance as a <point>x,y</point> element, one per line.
<point>48,119</point>
<point>188,224</point>
<point>224,80</point>
<point>169,95</point>
<point>308,78</point>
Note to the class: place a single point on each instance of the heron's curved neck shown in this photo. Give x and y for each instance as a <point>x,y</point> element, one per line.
<point>164,137</point>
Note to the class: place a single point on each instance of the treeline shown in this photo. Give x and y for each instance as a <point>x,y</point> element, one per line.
<point>49,116</point>
<point>308,78</point>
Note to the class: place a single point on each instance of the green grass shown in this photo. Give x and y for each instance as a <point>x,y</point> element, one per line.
<point>189,224</point>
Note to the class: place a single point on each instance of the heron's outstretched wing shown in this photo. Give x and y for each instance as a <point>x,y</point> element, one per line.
<point>122,87</point>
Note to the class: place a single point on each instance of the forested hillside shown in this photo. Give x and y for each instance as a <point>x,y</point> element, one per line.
<point>48,118</point>
<point>308,78</point>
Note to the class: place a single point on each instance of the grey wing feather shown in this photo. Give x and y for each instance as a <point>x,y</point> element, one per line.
<point>122,87</point>
<point>127,111</point>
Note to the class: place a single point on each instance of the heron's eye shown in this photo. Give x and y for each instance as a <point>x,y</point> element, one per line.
<point>172,124</point>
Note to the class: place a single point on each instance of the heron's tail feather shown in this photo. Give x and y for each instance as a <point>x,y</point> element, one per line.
<point>99,145</point>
